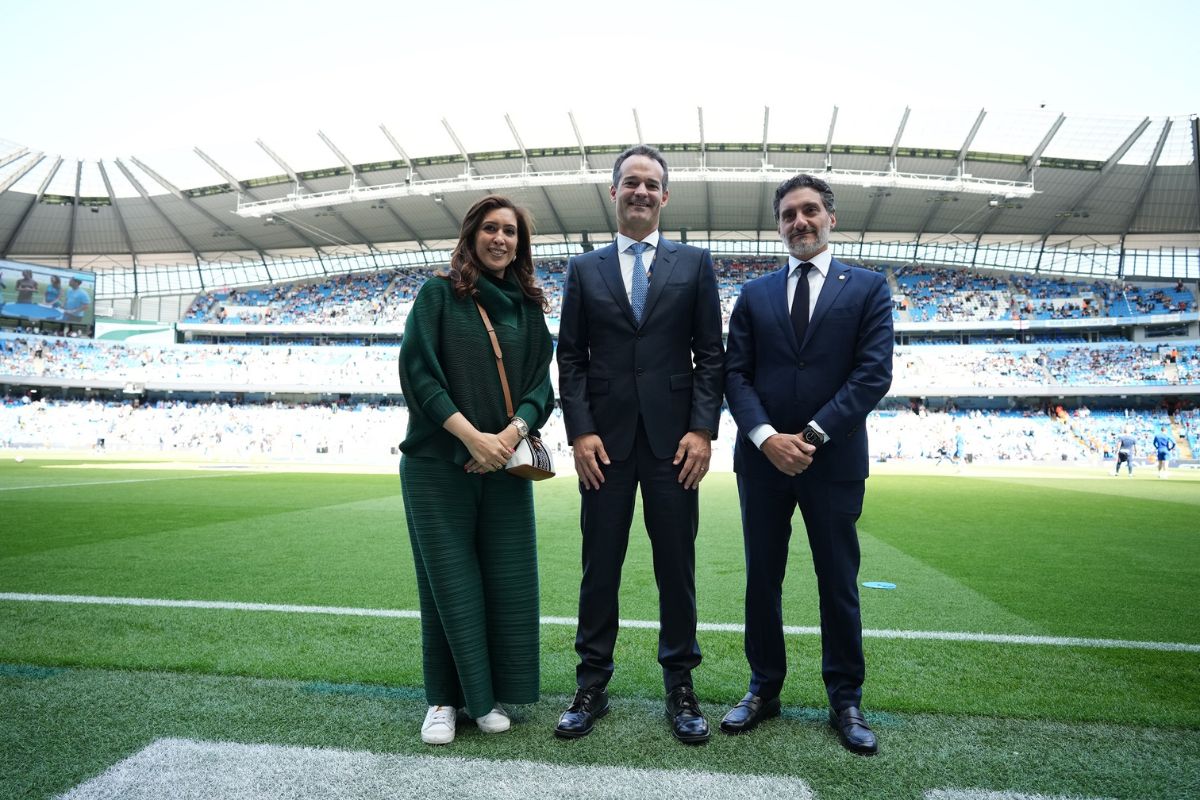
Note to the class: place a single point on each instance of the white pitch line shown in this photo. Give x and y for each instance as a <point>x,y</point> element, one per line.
<point>985,794</point>
<point>212,605</point>
<point>106,483</point>
<point>185,769</point>
<point>714,627</point>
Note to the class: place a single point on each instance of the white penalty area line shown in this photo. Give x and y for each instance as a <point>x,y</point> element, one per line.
<point>714,627</point>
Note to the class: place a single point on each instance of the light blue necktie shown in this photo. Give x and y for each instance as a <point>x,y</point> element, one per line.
<point>639,287</point>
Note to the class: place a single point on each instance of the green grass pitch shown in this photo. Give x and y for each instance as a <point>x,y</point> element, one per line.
<point>83,686</point>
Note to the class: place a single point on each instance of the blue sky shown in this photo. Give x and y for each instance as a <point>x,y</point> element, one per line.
<point>126,77</point>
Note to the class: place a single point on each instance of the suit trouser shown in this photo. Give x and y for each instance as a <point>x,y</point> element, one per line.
<point>475,553</point>
<point>671,515</point>
<point>830,510</point>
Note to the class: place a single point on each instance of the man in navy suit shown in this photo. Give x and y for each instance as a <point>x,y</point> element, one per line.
<point>809,356</point>
<point>640,373</point>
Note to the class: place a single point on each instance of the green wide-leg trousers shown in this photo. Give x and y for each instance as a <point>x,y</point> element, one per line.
<point>475,552</point>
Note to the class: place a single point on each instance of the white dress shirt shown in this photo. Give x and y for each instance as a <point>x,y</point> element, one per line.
<point>623,243</point>
<point>816,278</point>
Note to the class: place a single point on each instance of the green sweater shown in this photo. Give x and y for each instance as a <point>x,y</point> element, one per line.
<point>447,364</point>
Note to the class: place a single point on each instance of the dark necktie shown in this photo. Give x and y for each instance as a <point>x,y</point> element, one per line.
<point>800,303</point>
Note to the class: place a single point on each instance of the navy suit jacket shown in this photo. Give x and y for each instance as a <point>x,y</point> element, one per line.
<point>841,370</point>
<point>668,369</point>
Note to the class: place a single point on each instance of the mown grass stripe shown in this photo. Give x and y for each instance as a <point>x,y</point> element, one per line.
<point>715,627</point>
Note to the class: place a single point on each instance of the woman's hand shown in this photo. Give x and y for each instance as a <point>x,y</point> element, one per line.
<point>489,452</point>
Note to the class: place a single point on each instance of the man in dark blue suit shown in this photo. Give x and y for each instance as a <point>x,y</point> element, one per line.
<point>809,356</point>
<point>640,374</point>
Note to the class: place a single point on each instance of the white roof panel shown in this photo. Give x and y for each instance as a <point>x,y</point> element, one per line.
<point>1090,138</point>
<point>941,130</point>
<point>800,124</point>
<point>1013,132</point>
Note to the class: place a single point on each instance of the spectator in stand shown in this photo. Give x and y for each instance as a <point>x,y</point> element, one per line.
<point>1163,445</point>
<point>471,524</point>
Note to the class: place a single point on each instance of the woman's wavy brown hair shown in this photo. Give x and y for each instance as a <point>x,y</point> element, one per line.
<point>464,266</point>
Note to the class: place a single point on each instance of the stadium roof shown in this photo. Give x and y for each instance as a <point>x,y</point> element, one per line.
<point>978,176</point>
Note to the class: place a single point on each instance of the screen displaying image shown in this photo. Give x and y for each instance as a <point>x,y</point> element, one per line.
<point>35,293</point>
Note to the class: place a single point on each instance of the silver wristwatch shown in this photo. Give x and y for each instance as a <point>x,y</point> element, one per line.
<point>521,425</point>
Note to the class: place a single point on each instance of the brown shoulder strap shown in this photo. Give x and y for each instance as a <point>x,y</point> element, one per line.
<point>487,323</point>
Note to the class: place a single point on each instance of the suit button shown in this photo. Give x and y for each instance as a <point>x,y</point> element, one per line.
<point>640,371</point>
<point>801,365</point>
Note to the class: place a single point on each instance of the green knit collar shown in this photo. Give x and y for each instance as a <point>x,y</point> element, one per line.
<point>502,297</point>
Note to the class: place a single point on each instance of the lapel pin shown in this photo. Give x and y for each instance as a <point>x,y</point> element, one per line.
<point>842,277</point>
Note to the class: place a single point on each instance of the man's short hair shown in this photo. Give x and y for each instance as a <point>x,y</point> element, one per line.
<point>804,181</point>
<point>639,150</point>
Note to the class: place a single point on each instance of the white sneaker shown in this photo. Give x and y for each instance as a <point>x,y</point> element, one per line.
<point>495,721</point>
<point>438,727</point>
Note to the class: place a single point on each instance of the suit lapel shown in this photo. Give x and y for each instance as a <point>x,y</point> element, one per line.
<point>777,298</point>
<point>835,282</point>
<point>610,270</point>
<point>664,265</point>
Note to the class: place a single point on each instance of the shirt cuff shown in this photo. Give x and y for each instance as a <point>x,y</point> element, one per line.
<point>760,433</point>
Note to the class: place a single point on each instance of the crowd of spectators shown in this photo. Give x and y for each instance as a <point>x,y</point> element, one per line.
<point>372,369</point>
<point>920,295</point>
<point>201,366</point>
<point>363,298</point>
<point>950,295</point>
<point>1127,300</point>
<point>218,429</point>
<point>1034,368</point>
<point>369,433</point>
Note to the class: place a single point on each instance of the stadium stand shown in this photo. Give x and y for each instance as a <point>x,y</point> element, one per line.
<point>920,295</point>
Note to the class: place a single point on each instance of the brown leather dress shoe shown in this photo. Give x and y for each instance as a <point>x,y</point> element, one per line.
<point>687,721</point>
<point>589,705</point>
<point>853,731</point>
<point>749,711</point>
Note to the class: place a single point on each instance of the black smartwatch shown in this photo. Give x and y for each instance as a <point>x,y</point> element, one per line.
<point>812,436</point>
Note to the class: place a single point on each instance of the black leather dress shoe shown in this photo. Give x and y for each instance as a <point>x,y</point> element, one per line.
<point>853,731</point>
<point>749,711</point>
<point>687,721</point>
<point>589,705</point>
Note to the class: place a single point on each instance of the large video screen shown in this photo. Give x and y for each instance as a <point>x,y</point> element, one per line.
<point>36,293</point>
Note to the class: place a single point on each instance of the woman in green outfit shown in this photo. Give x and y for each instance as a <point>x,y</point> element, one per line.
<point>471,523</point>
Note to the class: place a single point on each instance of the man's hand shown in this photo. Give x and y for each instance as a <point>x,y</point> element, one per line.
<point>695,450</point>
<point>790,454</point>
<point>589,455</point>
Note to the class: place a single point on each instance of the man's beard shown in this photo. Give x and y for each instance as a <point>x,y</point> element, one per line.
<point>803,250</point>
